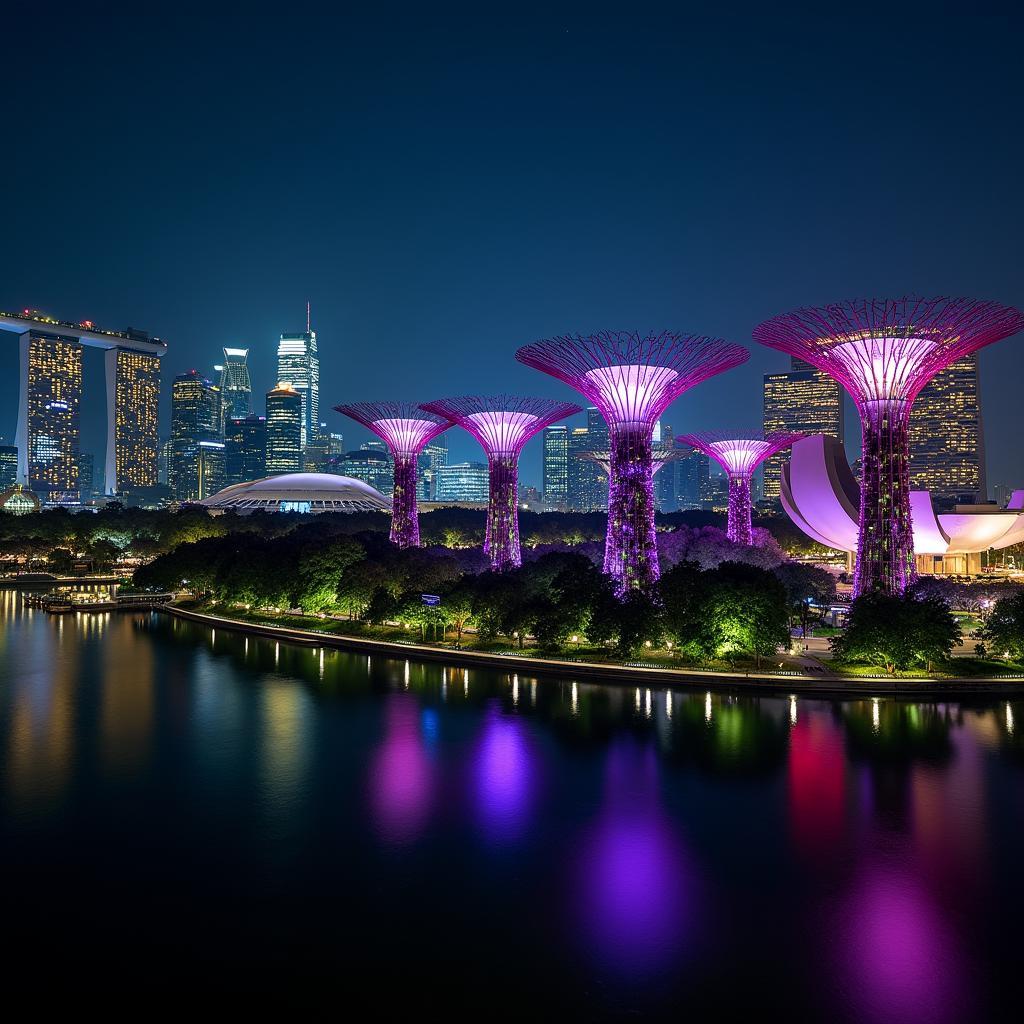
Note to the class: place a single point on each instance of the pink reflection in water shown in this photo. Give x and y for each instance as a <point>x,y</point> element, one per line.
<point>401,775</point>
<point>898,955</point>
<point>816,784</point>
<point>637,886</point>
<point>503,773</point>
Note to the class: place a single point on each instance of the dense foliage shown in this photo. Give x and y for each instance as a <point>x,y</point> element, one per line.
<point>1004,628</point>
<point>897,632</point>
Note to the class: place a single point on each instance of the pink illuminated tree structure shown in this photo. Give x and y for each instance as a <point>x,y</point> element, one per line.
<point>659,458</point>
<point>405,428</point>
<point>883,352</point>
<point>739,454</point>
<point>502,424</point>
<point>632,378</point>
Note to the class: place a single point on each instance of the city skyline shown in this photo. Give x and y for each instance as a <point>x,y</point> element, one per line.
<point>435,229</point>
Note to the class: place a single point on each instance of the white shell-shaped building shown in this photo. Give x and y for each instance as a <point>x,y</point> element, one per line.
<point>300,492</point>
<point>819,492</point>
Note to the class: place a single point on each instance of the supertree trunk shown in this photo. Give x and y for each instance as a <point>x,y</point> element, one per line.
<point>405,521</point>
<point>739,528</point>
<point>885,547</point>
<point>501,542</point>
<point>631,551</point>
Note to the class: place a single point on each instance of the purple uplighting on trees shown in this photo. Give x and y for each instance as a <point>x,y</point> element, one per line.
<point>632,379</point>
<point>405,428</point>
<point>883,352</point>
<point>739,454</point>
<point>659,457</point>
<point>502,424</point>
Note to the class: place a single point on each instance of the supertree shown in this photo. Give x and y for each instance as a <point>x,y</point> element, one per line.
<point>502,424</point>
<point>883,352</point>
<point>739,453</point>
<point>632,378</point>
<point>405,428</point>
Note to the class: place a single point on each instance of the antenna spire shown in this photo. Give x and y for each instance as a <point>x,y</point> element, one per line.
<point>307,316</point>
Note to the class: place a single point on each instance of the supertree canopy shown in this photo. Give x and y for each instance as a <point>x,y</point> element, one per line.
<point>406,429</point>
<point>739,453</point>
<point>632,378</point>
<point>502,424</point>
<point>659,457</point>
<point>884,352</point>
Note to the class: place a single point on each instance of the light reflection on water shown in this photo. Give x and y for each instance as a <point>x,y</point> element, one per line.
<point>854,860</point>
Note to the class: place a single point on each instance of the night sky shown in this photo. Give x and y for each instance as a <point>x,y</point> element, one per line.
<point>446,187</point>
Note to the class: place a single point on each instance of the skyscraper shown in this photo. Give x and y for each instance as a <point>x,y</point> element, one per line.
<point>804,399</point>
<point>54,395</point>
<point>692,480</point>
<point>666,498</point>
<point>947,446</point>
<point>298,364</point>
<point>8,466</point>
<point>463,482</point>
<point>431,459</point>
<point>195,421</point>
<point>555,480</point>
<point>163,461</point>
<point>372,466</point>
<point>587,482</point>
<point>86,474</point>
<point>235,385</point>
<point>245,449</point>
<point>284,430</point>
<point>133,385</point>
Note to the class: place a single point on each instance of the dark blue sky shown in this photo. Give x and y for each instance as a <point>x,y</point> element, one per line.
<point>446,187</point>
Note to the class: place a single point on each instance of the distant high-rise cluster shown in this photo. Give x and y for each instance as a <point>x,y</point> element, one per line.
<point>197,458</point>
<point>947,447</point>
<point>804,399</point>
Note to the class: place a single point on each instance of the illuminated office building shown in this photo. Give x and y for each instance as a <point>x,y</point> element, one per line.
<point>245,449</point>
<point>133,388</point>
<point>555,483</point>
<point>372,466</point>
<point>8,466</point>
<point>431,459</point>
<point>666,496</point>
<point>86,474</point>
<point>235,385</point>
<point>463,483</point>
<point>195,421</point>
<point>54,382</point>
<point>693,485</point>
<point>586,481</point>
<point>298,364</point>
<point>805,399</point>
<point>284,430</point>
<point>947,448</point>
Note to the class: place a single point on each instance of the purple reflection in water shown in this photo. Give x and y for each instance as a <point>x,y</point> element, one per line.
<point>898,956</point>
<point>401,775</point>
<point>503,772</point>
<point>637,885</point>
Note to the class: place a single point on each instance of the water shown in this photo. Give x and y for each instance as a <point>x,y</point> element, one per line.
<point>206,816</point>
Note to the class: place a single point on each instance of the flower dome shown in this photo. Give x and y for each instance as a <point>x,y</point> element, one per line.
<point>300,492</point>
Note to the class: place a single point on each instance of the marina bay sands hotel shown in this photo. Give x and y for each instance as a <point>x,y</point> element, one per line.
<point>51,393</point>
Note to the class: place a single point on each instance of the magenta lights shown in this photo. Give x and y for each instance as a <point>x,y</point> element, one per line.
<point>883,352</point>
<point>739,454</point>
<point>405,429</point>
<point>502,425</point>
<point>632,379</point>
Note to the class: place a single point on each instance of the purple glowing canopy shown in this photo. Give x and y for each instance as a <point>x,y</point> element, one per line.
<point>405,428</point>
<point>883,352</point>
<point>632,379</point>
<point>739,453</point>
<point>502,424</point>
<point>659,458</point>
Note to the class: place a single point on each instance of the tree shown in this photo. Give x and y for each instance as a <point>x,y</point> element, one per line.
<point>806,586</point>
<point>320,571</point>
<point>897,632</point>
<point>1004,630</point>
<point>748,611</point>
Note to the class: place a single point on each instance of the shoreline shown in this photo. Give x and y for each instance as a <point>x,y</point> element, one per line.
<point>624,675</point>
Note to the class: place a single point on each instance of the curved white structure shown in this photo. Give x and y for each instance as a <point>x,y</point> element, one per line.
<point>821,496</point>
<point>300,492</point>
